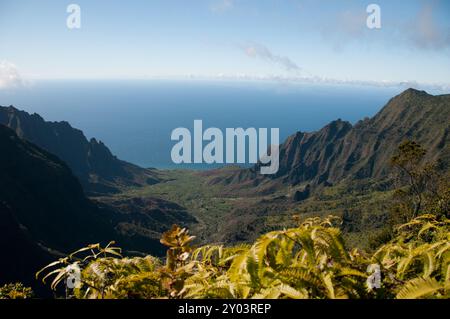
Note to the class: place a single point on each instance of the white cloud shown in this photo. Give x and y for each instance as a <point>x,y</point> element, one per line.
<point>299,75</point>
<point>255,50</point>
<point>9,76</point>
<point>296,79</point>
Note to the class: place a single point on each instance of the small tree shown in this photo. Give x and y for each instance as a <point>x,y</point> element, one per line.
<point>418,181</point>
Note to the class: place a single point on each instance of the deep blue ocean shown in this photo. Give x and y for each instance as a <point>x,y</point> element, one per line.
<point>135,118</point>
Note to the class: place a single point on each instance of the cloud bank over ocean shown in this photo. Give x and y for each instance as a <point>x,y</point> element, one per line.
<point>9,76</point>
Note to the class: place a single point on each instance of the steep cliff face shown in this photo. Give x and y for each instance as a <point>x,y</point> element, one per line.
<point>91,161</point>
<point>21,256</point>
<point>44,212</point>
<point>45,197</point>
<point>340,150</point>
<point>42,205</point>
<point>311,156</point>
<point>413,115</point>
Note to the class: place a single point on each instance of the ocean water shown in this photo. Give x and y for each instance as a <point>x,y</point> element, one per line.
<point>135,118</point>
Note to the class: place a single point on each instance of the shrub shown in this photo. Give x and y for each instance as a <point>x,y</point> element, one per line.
<point>15,291</point>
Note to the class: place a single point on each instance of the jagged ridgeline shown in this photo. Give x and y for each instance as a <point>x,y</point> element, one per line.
<point>99,171</point>
<point>340,150</point>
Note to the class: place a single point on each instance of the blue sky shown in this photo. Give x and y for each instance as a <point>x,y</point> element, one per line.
<point>310,39</point>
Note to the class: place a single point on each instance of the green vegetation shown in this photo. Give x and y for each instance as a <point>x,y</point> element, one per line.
<point>309,261</point>
<point>210,204</point>
<point>409,257</point>
<point>15,291</point>
<point>216,207</point>
<point>421,186</point>
<point>417,260</point>
<point>190,190</point>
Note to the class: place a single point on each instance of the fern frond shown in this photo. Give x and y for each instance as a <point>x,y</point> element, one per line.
<point>419,288</point>
<point>293,293</point>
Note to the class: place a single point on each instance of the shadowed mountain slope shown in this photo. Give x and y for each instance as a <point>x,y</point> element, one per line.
<point>44,212</point>
<point>91,161</point>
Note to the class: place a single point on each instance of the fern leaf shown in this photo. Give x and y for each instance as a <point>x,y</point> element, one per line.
<point>419,288</point>
<point>292,292</point>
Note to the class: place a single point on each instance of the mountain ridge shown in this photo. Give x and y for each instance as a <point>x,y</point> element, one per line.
<point>341,150</point>
<point>99,171</point>
<point>44,212</point>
